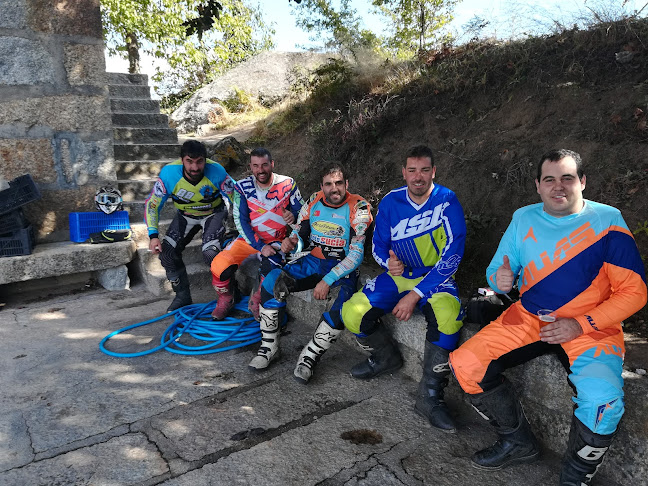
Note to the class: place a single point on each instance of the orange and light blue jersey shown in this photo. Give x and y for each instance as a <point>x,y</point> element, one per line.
<point>200,199</point>
<point>335,232</point>
<point>428,238</point>
<point>258,212</point>
<point>584,266</point>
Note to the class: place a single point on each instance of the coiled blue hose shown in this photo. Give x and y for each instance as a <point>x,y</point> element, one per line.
<point>195,320</point>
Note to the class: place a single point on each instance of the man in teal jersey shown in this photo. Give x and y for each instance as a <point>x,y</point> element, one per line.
<point>196,186</point>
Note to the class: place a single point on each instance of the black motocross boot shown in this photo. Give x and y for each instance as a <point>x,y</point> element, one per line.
<point>385,356</point>
<point>516,443</point>
<point>585,452</point>
<point>180,286</point>
<point>429,401</point>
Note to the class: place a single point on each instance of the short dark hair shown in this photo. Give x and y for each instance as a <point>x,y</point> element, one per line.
<point>261,152</point>
<point>559,154</point>
<point>194,149</point>
<point>332,169</point>
<point>419,152</point>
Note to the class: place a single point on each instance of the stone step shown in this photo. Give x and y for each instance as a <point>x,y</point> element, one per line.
<point>136,210</point>
<point>126,78</point>
<point>135,190</point>
<point>139,169</point>
<point>146,151</point>
<point>140,120</point>
<point>126,105</point>
<point>132,91</point>
<point>145,135</point>
<point>200,279</point>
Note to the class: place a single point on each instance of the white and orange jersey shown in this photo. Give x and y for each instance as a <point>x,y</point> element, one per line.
<point>258,212</point>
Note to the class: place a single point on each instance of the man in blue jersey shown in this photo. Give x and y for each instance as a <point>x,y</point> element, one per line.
<point>579,274</point>
<point>196,186</point>
<point>419,240</point>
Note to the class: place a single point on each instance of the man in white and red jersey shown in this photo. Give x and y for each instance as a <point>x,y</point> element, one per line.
<point>264,204</point>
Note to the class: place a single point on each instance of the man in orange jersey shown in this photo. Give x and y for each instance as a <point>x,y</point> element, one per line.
<point>577,261</point>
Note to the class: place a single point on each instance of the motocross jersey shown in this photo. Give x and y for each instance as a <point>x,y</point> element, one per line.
<point>336,233</point>
<point>197,200</point>
<point>258,212</point>
<point>428,238</point>
<point>584,265</point>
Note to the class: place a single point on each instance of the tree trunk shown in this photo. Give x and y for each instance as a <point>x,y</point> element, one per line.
<point>421,27</point>
<point>133,53</point>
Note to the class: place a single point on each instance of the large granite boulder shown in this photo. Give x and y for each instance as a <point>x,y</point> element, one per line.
<point>266,75</point>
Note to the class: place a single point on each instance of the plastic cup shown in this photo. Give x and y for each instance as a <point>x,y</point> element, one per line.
<point>547,315</point>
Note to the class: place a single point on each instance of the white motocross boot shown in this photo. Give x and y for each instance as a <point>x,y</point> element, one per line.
<point>269,350</point>
<point>324,336</point>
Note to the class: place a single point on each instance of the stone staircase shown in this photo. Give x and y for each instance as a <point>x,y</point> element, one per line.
<point>143,144</point>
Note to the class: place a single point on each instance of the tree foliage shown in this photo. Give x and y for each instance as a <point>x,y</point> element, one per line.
<point>341,26</point>
<point>417,25</point>
<point>162,29</point>
<point>413,25</point>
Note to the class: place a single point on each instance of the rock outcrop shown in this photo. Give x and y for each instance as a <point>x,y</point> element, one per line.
<point>266,75</point>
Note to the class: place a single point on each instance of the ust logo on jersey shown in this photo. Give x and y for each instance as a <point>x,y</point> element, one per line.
<point>420,223</point>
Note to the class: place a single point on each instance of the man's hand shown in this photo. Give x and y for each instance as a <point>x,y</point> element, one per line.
<point>321,290</point>
<point>504,277</point>
<point>287,216</point>
<point>405,307</point>
<point>155,246</point>
<point>289,244</point>
<point>395,266</point>
<point>268,251</point>
<point>561,331</point>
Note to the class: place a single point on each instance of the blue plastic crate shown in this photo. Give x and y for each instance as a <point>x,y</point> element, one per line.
<point>19,243</point>
<point>21,191</point>
<point>82,224</point>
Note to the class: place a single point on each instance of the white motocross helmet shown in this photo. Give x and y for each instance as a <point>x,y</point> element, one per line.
<point>108,200</point>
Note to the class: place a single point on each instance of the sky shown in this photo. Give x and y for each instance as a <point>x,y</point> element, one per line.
<point>506,17</point>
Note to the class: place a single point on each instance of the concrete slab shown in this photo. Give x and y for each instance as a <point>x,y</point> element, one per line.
<point>73,415</point>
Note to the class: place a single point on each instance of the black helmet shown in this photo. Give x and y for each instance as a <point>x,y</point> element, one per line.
<point>108,200</point>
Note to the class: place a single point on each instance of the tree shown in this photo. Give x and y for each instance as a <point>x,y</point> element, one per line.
<point>342,25</point>
<point>416,24</point>
<point>198,39</point>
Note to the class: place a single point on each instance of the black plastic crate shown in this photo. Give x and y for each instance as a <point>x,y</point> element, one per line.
<point>21,190</point>
<point>12,221</point>
<point>19,243</point>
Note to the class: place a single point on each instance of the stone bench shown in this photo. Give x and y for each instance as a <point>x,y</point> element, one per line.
<point>541,385</point>
<point>107,260</point>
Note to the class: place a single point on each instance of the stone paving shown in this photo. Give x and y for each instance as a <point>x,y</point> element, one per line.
<point>73,415</point>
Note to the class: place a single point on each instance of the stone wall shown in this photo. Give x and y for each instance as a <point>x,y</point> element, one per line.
<point>54,109</point>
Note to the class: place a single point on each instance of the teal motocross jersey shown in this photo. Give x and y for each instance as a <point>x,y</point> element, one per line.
<point>200,199</point>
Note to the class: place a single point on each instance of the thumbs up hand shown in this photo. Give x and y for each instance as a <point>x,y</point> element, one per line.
<point>504,277</point>
<point>287,216</point>
<point>394,265</point>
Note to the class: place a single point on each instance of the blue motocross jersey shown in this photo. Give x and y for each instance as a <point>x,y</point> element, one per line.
<point>428,238</point>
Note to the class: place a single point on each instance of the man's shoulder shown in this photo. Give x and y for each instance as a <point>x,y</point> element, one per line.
<point>214,168</point>
<point>356,200</point>
<point>282,179</point>
<point>602,209</point>
<point>528,211</point>
<point>172,169</point>
<point>395,195</point>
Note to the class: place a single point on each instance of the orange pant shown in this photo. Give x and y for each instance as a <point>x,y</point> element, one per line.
<point>233,254</point>
<point>595,364</point>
